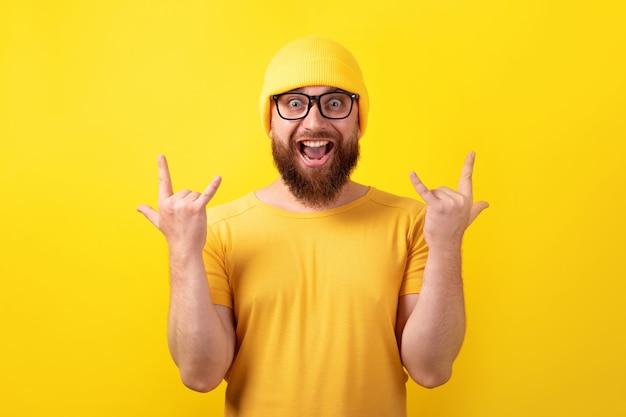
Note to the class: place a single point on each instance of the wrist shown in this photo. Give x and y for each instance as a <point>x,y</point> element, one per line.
<point>181,255</point>
<point>447,245</point>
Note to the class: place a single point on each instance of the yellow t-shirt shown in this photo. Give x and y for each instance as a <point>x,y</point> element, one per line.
<point>315,298</point>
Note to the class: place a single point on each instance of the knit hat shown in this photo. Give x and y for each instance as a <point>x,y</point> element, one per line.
<point>313,61</point>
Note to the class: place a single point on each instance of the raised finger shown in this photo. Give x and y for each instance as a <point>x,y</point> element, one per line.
<point>165,182</point>
<point>419,186</point>
<point>210,191</point>
<point>465,182</point>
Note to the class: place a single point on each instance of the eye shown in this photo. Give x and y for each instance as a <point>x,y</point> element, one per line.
<point>335,102</point>
<point>295,102</point>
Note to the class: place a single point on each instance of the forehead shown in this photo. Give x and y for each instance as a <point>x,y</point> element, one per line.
<point>314,90</point>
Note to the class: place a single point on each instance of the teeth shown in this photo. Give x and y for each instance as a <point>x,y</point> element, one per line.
<point>315,143</point>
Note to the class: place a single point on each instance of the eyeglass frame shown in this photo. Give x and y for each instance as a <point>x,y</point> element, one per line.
<point>353,97</point>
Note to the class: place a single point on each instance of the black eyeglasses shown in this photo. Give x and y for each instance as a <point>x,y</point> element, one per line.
<point>333,105</point>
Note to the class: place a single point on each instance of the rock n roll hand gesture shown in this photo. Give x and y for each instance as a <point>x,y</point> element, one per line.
<point>182,215</point>
<point>449,212</point>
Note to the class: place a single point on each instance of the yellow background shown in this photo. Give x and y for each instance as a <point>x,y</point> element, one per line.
<point>92,91</point>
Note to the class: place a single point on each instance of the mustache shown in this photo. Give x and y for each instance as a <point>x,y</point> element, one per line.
<point>296,136</point>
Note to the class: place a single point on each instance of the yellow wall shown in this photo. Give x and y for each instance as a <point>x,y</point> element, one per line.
<point>92,91</point>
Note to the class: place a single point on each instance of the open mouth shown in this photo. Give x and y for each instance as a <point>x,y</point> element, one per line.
<point>315,150</point>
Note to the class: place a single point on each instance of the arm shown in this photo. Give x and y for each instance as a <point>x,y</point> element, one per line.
<point>201,335</point>
<point>431,325</point>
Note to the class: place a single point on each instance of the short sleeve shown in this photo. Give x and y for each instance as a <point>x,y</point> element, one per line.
<point>417,255</point>
<point>215,266</point>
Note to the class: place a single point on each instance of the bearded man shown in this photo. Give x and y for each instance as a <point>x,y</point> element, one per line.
<point>315,295</point>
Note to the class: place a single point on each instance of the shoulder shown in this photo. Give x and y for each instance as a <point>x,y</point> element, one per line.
<point>390,200</point>
<point>232,209</point>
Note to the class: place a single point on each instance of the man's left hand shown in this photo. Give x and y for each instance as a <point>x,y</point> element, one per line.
<point>449,212</point>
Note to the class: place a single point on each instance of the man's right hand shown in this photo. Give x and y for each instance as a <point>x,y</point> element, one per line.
<point>182,216</point>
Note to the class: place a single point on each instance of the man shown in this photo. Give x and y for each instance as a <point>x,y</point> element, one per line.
<point>312,295</point>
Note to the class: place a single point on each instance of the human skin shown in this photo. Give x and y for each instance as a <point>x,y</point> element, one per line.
<point>430,325</point>
<point>201,335</point>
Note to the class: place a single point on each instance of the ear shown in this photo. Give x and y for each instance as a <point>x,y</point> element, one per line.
<point>271,116</point>
<point>270,133</point>
<point>358,127</point>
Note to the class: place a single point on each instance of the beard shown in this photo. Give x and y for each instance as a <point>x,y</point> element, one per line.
<point>316,187</point>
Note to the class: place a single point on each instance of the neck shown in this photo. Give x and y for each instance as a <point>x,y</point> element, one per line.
<point>277,194</point>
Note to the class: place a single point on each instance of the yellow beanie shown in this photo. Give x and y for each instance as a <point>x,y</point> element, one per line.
<point>313,61</point>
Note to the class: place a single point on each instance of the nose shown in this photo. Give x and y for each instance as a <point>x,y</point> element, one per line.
<point>314,120</point>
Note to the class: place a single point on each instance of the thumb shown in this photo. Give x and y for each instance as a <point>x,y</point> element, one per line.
<point>477,208</point>
<point>151,214</point>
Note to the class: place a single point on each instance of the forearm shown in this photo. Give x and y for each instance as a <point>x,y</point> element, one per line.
<point>435,329</point>
<point>199,342</point>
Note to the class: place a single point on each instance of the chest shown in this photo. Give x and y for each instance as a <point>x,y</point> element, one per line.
<point>317,267</point>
